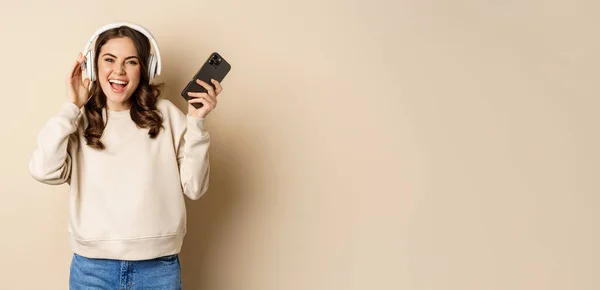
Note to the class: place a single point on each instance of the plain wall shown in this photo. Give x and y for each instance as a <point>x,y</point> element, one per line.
<point>417,145</point>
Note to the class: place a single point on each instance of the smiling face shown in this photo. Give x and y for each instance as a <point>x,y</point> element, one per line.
<point>118,72</point>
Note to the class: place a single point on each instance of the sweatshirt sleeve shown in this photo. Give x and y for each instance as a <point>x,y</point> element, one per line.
<point>51,160</point>
<point>193,159</point>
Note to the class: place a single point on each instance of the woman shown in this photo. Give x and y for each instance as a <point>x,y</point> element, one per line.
<point>129,157</point>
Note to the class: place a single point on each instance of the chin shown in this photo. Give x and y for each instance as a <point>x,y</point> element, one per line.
<point>117,97</point>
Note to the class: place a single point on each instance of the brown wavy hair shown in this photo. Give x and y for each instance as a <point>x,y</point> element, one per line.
<point>142,102</point>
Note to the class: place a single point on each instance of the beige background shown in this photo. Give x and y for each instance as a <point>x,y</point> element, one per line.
<point>418,145</point>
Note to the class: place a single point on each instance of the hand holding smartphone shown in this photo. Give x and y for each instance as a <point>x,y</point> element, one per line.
<point>215,67</point>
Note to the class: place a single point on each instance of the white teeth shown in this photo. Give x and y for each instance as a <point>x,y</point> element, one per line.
<point>118,82</point>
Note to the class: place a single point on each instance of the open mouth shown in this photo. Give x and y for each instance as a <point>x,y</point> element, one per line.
<point>118,86</point>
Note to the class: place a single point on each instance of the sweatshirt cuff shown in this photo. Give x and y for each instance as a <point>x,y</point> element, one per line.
<point>195,128</point>
<point>69,111</point>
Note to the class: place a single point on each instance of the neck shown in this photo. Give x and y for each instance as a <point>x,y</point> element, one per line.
<point>116,107</point>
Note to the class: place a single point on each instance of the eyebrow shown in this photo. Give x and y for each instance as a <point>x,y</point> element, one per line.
<point>112,55</point>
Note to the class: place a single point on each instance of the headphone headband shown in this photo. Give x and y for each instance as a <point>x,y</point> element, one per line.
<point>133,26</point>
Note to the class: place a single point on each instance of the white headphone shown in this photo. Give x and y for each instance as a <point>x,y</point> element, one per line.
<point>154,63</point>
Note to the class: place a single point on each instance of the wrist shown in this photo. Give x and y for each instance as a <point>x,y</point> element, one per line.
<point>200,115</point>
<point>76,103</point>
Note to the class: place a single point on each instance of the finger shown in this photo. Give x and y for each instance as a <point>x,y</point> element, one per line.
<point>74,68</point>
<point>204,101</point>
<point>86,83</point>
<point>202,95</point>
<point>197,94</point>
<point>208,87</point>
<point>218,87</point>
<point>81,61</point>
<point>198,104</point>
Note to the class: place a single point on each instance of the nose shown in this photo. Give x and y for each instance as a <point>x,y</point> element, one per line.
<point>120,69</point>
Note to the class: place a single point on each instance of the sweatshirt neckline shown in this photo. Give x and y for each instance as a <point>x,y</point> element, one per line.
<point>118,114</point>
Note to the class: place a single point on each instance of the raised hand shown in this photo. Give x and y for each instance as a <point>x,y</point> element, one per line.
<point>77,90</point>
<point>208,99</point>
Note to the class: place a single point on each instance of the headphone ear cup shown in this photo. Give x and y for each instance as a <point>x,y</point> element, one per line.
<point>151,67</point>
<point>89,66</point>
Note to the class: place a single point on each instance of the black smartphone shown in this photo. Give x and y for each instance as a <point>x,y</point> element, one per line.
<point>215,67</point>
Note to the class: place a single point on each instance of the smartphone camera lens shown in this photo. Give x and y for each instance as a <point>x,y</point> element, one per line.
<point>215,60</point>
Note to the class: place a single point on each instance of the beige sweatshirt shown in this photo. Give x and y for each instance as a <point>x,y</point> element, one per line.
<point>127,201</point>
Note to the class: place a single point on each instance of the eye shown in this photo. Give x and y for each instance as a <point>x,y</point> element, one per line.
<point>132,62</point>
<point>108,59</point>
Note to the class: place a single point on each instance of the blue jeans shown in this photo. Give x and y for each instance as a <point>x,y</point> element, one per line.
<point>162,273</point>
